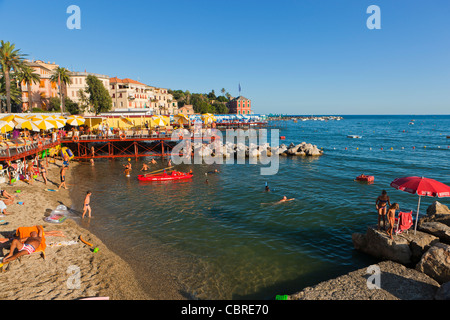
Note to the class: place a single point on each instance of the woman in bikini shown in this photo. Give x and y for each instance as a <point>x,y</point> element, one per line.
<point>381,205</point>
<point>43,170</point>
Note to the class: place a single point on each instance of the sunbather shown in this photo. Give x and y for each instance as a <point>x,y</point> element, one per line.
<point>25,245</point>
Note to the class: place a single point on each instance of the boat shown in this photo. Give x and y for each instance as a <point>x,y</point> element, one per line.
<point>174,175</point>
<point>354,137</point>
<point>364,177</point>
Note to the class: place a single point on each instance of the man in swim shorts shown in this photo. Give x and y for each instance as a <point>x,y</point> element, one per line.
<point>25,245</point>
<point>86,205</point>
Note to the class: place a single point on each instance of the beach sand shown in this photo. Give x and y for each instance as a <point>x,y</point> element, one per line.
<point>100,274</point>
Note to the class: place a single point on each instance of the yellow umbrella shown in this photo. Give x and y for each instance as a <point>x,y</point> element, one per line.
<point>8,118</point>
<point>28,124</point>
<point>208,118</point>
<point>37,117</point>
<point>75,120</point>
<point>181,119</point>
<point>6,126</point>
<point>160,121</point>
<point>127,120</point>
<point>44,124</point>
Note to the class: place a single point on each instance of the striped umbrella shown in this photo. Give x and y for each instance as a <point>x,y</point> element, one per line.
<point>6,126</point>
<point>44,124</point>
<point>75,120</point>
<point>181,119</point>
<point>208,118</point>
<point>28,124</point>
<point>159,121</point>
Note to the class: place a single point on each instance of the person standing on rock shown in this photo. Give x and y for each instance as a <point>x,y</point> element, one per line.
<point>391,218</point>
<point>381,205</point>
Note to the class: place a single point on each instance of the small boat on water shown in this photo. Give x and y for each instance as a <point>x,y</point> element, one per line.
<point>354,137</point>
<point>174,175</point>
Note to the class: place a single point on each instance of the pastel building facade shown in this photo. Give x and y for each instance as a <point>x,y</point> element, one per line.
<point>41,92</point>
<point>240,105</point>
<point>78,82</point>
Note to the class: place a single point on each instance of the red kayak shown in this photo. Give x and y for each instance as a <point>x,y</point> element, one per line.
<point>174,175</point>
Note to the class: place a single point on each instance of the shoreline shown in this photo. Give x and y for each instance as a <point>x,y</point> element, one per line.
<point>101,274</point>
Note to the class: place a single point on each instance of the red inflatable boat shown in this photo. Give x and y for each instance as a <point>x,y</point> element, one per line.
<point>174,175</point>
<point>363,177</point>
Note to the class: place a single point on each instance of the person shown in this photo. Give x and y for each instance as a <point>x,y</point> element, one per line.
<point>43,170</point>
<point>62,175</point>
<point>3,208</point>
<point>92,161</point>
<point>25,245</point>
<point>391,218</point>
<point>144,167</point>
<point>267,188</point>
<point>127,171</point>
<point>284,199</point>
<point>153,161</point>
<point>86,206</point>
<point>9,198</point>
<point>66,161</point>
<point>30,172</point>
<point>381,205</point>
<point>169,163</point>
<point>215,171</point>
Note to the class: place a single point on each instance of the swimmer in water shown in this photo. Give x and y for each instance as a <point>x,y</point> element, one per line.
<point>127,171</point>
<point>153,161</point>
<point>284,199</point>
<point>144,167</point>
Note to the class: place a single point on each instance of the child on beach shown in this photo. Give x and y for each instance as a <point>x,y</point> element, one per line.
<point>43,170</point>
<point>391,218</point>
<point>62,175</point>
<point>86,206</point>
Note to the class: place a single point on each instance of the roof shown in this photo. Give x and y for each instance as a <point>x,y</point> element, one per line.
<point>126,80</point>
<point>240,98</point>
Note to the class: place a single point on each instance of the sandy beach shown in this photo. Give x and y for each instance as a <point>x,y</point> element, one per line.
<point>101,273</point>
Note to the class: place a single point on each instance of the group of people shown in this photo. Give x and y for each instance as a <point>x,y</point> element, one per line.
<point>386,210</point>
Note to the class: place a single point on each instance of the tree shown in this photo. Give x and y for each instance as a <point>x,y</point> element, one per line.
<point>27,75</point>
<point>223,91</point>
<point>15,93</point>
<point>84,100</point>
<point>62,78</point>
<point>99,97</point>
<point>10,58</point>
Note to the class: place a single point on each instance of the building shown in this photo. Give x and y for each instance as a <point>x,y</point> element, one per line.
<point>163,102</point>
<point>239,105</point>
<point>78,82</point>
<point>41,92</point>
<point>129,93</point>
<point>187,109</point>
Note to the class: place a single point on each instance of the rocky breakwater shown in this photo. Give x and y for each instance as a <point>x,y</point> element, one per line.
<point>240,150</point>
<point>418,263</point>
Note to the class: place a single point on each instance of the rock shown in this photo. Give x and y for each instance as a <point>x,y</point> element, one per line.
<point>438,208</point>
<point>440,230</point>
<point>405,248</point>
<point>436,262</point>
<point>396,283</point>
<point>443,292</point>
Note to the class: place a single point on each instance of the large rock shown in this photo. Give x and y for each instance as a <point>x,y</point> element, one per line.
<point>438,208</point>
<point>396,283</point>
<point>436,262</point>
<point>405,248</point>
<point>443,292</point>
<point>438,229</point>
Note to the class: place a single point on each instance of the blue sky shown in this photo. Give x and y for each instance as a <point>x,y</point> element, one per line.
<point>296,57</point>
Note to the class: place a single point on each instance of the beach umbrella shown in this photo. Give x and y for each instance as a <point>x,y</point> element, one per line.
<point>422,187</point>
<point>127,120</point>
<point>37,117</point>
<point>28,124</point>
<point>181,119</point>
<point>8,118</point>
<point>6,126</point>
<point>159,120</point>
<point>75,120</point>
<point>208,118</point>
<point>44,124</point>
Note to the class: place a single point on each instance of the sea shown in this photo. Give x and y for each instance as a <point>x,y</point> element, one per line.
<point>226,238</point>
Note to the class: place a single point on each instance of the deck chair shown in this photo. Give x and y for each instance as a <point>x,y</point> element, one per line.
<point>404,222</point>
<point>24,232</point>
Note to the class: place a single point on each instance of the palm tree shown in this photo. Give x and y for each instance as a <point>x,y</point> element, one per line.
<point>223,91</point>
<point>15,94</point>
<point>10,58</point>
<point>61,76</point>
<point>27,75</point>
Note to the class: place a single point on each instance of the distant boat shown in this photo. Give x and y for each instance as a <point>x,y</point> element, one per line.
<point>354,137</point>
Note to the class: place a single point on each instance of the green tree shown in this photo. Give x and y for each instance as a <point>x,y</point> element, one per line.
<point>15,93</point>
<point>27,75</point>
<point>61,76</point>
<point>99,97</point>
<point>10,59</point>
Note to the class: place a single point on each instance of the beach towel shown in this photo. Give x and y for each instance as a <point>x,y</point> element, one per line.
<point>24,232</point>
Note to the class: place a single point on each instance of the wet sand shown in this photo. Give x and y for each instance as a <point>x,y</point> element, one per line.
<point>71,271</point>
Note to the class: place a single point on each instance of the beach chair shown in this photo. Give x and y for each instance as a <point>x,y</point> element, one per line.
<point>404,222</point>
<point>24,232</point>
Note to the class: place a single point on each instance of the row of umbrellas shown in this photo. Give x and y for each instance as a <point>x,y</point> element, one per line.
<point>37,122</point>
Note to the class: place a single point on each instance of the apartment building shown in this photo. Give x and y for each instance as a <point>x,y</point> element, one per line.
<point>239,105</point>
<point>78,82</point>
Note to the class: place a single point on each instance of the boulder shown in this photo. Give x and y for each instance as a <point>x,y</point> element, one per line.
<point>443,292</point>
<point>405,248</point>
<point>438,208</point>
<point>396,283</point>
<point>438,229</point>
<point>436,262</point>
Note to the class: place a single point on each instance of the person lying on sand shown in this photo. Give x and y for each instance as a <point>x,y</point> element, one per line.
<point>3,207</point>
<point>25,245</point>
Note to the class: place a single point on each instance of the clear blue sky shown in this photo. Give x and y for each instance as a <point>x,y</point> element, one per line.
<point>296,57</point>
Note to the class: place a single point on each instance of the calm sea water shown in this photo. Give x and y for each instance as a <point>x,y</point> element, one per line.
<point>227,240</point>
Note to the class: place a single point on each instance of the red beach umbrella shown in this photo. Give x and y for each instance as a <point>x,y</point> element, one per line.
<point>422,187</point>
